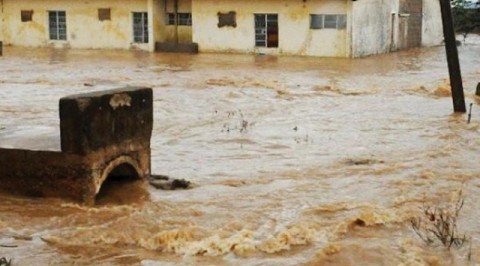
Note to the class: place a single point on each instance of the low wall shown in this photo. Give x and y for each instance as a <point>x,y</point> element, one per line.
<point>103,135</point>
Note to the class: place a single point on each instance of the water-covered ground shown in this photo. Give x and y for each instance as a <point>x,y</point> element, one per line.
<point>295,161</point>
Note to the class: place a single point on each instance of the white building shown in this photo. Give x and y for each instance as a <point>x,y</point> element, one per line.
<point>333,28</point>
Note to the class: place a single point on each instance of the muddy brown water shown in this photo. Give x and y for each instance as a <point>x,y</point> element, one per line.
<point>296,161</point>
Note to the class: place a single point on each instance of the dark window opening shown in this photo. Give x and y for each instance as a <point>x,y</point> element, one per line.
<point>170,19</point>
<point>266,30</point>
<point>104,14</point>
<point>227,19</point>
<point>183,19</point>
<point>26,15</point>
<point>140,27</point>
<point>57,25</point>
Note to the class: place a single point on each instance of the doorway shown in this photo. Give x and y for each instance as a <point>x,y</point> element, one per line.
<point>410,19</point>
<point>266,30</point>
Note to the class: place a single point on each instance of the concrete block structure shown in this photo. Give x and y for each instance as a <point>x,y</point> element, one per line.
<point>104,135</point>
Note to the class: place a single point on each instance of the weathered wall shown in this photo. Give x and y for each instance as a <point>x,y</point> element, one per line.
<point>152,26</point>
<point>100,131</point>
<point>156,19</point>
<point>94,121</point>
<point>84,30</point>
<point>1,21</point>
<point>381,26</point>
<point>295,35</point>
<point>410,24</point>
<point>373,29</point>
<point>432,31</point>
<point>43,173</point>
<point>66,175</point>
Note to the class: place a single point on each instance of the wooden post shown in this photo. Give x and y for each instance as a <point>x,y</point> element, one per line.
<point>1,48</point>
<point>452,58</point>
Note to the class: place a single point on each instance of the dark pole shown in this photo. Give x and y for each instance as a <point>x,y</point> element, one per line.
<point>452,58</point>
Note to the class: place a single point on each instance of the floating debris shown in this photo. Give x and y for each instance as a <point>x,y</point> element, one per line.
<point>362,161</point>
<point>166,183</point>
<point>8,246</point>
<point>5,262</point>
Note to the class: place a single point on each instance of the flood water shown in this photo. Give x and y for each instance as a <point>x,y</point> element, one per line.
<point>295,161</point>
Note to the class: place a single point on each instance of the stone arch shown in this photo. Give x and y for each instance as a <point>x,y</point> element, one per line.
<point>123,167</point>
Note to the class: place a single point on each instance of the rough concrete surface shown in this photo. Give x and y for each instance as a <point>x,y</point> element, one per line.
<point>103,135</point>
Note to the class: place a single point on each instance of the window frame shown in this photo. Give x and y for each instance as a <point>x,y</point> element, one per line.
<point>328,21</point>
<point>140,27</point>
<point>185,21</point>
<point>269,21</point>
<point>57,29</point>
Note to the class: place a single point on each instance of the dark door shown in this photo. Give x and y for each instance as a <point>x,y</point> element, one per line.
<point>266,30</point>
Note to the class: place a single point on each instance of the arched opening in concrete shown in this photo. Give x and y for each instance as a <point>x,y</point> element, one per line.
<point>122,184</point>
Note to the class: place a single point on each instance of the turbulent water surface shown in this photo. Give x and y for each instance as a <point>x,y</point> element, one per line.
<point>295,161</point>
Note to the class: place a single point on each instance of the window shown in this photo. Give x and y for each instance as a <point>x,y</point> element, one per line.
<point>184,19</point>
<point>104,14</point>
<point>328,21</point>
<point>140,27</point>
<point>170,19</point>
<point>266,30</point>
<point>26,15</point>
<point>57,25</point>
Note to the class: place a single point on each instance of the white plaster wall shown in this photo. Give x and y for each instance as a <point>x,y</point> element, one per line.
<point>295,35</point>
<point>152,14</point>
<point>84,30</point>
<point>372,26</point>
<point>157,15</point>
<point>432,29</point>
<point>2,27</point>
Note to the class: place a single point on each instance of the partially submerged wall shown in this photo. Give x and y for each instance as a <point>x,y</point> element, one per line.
<point>2,25</point>
<point>432,29</point>
<point>99,133</point>
<point>84,29</point>
<point>43,173</point>
<point>381,26</point>
<point>373,26</point>
<point>294,34</point>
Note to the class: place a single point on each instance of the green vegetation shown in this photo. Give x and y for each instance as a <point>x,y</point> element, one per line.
<point>466,16</point>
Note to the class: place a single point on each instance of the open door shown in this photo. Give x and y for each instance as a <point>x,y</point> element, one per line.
<point>266,30</point>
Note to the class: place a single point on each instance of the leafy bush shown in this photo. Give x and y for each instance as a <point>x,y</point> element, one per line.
<point>466,16</point>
